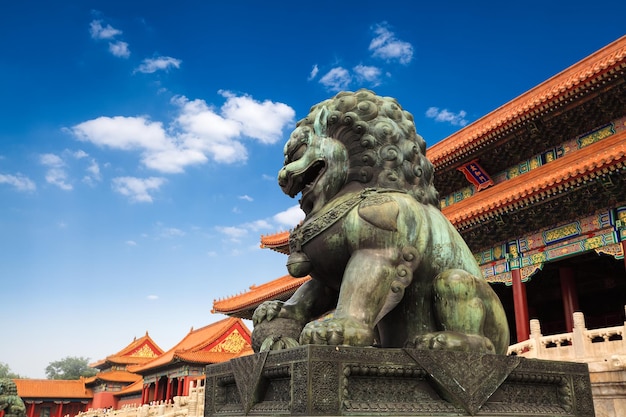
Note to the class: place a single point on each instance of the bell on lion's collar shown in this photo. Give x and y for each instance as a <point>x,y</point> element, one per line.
<point>299,265</point>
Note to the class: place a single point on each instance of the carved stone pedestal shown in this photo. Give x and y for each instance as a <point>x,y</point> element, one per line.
<point>332,381</point>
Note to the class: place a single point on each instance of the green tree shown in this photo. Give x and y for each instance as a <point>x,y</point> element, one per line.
<point>70,367</point>
<point>5,372</point>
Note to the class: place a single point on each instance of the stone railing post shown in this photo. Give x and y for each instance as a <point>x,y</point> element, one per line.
<point>535,339</point>
<point>579,340</point>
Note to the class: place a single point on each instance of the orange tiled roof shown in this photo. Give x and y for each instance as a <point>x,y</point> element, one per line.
<point>592,160</point>
<point>578,76</point>
<point>276,241</point>
<point>205,357</point>
<point>192,343</point>
<point>133,388</point>
<point>282,286</point>
<point>139,351</point>
<point>52,388</point>
<point>113,376</point>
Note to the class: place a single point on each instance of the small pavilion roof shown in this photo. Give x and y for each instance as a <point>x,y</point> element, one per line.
<point>195,347</point>
<point>241,305</point>
<point>139,351</point>
<point>113,376</point>
<point>52,388</point>
<point>277,242</point>
<point>133,388</point>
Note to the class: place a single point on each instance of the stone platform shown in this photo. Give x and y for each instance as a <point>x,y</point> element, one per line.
<point>347,381</point>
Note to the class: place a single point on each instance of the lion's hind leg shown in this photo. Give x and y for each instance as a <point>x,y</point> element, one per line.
<point>462,305</point>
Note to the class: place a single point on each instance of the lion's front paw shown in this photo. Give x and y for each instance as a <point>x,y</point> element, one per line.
<point>280,333</point>
<point>278,343</point>
<point>453,341</point>
<point>337,331</point>
<point>267,311</point>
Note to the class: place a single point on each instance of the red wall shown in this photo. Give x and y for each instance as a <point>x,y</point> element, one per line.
<point>104,399</point>
<point>129,400</point>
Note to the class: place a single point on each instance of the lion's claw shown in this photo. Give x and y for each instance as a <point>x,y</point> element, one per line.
<point>267,311</point>
<point>447,340</point>
<point>337,331</point>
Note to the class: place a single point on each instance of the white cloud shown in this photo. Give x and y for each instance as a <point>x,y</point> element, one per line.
<point>19,181</point>
<point>232,232</point>
<point>314,72</point>
<point>336,79</point>
<point>204,131</point>
<point>246,197</point>
<point>137,189</point>
<point>368,74</point>
<point>198,133</point>
<point>257,225</point>
<point>152,297</point>
<point>94,170</point>
<point>455,119</point>
<point>56,174</point>
<point>162,63</point>
<point>386,46</point>
<point>259,120</point>
<point>169,232</point>
<point>51,160</point>
<point>131,243</point>
<point>58,177</point>
<point>290,217</point>
<point>80,154</point>
<point>119,49</point>
<point>98,31</point>
<point>126,133</point>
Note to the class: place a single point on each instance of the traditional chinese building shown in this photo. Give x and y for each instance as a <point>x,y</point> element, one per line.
<point>53,397</point>
<point>537,188</point>
<point>172,373</point>
<point>138,374</point>
<point>113,375</point>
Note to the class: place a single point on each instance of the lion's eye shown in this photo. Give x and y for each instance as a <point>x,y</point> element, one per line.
<point>298,153</point>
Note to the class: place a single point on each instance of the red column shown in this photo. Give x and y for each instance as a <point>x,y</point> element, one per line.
<point>179,388</point>
<point>520,305</point>
<point>31,409</point>
<point>60,409</point>
<point>569,295</point>
<point>168,391</point>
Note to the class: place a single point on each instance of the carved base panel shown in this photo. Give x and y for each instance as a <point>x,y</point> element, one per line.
<point>347,381</point>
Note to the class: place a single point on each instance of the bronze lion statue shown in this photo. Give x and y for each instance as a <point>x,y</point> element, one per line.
<point>374,241</point>
<point>10,403</point>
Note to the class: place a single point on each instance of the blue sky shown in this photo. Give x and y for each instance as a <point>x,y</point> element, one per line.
<point>140,141</point>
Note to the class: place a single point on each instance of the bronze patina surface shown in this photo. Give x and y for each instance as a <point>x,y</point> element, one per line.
<point>10,403</point>
<point>382,256</point>
<point>316,380</point>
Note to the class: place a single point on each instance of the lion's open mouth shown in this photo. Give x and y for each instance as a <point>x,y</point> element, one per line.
<point>305,181</point>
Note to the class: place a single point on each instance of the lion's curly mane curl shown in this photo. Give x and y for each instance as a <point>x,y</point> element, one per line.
<point>384,149</point>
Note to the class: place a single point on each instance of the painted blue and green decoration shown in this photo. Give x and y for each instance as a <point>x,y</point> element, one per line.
<point>480,179</point>
<point>601,232</point>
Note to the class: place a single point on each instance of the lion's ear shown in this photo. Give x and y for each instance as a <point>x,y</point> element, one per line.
<point>321,120</point>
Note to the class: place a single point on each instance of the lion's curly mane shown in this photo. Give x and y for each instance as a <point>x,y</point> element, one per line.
<point>384,148</point>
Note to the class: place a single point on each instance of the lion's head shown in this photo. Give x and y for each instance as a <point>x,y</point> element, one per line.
<point>357,137</point>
